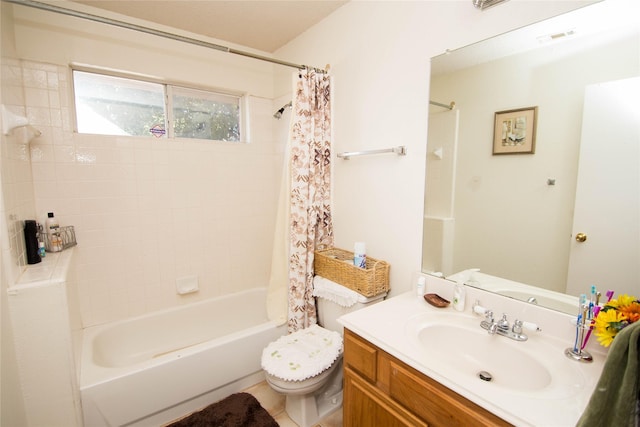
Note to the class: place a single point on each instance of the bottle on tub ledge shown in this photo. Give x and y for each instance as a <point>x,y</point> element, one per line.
<point>360,255</point>
<point>52,229</point>
<point>31,241</point>
<point>41,249</point>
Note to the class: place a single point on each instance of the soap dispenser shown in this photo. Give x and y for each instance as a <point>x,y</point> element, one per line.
<point>420,287</point>
<point>459,294</point>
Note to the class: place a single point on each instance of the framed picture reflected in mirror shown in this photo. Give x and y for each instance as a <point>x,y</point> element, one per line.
<point>514,131</point>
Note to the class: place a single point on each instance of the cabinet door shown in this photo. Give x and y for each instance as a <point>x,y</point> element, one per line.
<point>360,355</point>
<point>433,402</point>
<point>366,406</point>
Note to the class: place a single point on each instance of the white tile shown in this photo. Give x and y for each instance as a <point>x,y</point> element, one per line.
<point>42,153</point>
<point>52,80</point>
<point>35,97</point>
<point>86,155</point>
<point>34,78</point>
<point>54,99</point>
<point>64,153</point>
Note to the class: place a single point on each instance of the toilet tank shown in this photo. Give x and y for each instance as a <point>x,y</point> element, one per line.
<point>329,311</point>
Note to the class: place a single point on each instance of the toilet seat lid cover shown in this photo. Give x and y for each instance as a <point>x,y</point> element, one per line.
<point>302,354</point>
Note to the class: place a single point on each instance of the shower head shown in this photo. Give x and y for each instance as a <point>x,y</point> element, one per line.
<point>278,114</point>
<point>485,4</point>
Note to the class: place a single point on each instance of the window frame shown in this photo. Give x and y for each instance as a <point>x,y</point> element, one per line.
<point>167,86</point>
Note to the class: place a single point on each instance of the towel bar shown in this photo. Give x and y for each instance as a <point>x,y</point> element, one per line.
<point>401,150</point>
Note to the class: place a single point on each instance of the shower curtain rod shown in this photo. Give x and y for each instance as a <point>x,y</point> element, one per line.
<point>439,104</point>
<point>134,27</point>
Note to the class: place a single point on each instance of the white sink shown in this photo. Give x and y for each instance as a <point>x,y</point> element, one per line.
<point>488,358</point>
<point>459,347</point>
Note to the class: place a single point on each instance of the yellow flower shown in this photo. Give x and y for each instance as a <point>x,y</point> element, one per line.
<point>621,301</point>
<point>614,316</point>
<point>605,327</point>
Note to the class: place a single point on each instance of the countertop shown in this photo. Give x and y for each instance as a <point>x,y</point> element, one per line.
<point>385,325</point>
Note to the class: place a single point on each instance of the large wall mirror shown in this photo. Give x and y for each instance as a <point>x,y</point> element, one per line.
<point>565,214</point>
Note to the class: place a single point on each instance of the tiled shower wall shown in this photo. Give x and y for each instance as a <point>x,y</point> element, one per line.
<point>17,181</point>
<point>148,211</point>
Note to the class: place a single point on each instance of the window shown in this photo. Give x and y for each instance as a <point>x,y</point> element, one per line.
<point>205,115</point>
<point>110,105</point>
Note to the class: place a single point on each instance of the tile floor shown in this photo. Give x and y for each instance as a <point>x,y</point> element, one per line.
<point>274,403</point>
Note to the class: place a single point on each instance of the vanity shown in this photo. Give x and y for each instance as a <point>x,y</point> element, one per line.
<point>383,390</point>
<point>407,363</point>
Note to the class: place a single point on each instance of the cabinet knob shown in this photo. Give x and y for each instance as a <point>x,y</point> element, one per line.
<point>581,237</point>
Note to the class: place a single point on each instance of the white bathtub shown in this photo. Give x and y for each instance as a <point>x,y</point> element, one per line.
<point>152,369</point>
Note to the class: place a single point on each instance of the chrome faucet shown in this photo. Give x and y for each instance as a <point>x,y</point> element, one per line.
<point>489,323</point>
<point>502,326</point>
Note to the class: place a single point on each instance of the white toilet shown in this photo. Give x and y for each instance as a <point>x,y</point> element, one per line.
<point>306,365</point>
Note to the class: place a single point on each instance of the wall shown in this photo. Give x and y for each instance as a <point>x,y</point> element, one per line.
<point>46,324</point>
<point>379,54</point>
<point>15,174</point>
<point>509,195</point>
<point>148,211</point>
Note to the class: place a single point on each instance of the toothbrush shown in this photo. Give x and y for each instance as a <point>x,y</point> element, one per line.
<point>575,343</point>
<point>592,297</point>
<point>579,320</point>
<point>585,310</point>
<point>596,310</point>
<point>609,295</point>
<point>583,300</point>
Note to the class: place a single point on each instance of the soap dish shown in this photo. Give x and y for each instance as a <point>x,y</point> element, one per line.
<point>436,300</point>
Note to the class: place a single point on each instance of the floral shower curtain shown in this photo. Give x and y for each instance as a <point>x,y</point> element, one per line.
<point>310,223</point>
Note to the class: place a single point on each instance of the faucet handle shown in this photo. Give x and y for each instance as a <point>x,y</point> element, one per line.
<point>488,316</point>
<point>517,327</point>
<point>478,309</point>
<point>503,323</point>
<point>531,327</point>
<point>520,325</point>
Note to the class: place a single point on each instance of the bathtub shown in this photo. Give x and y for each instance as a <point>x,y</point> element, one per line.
<point>152,369</point>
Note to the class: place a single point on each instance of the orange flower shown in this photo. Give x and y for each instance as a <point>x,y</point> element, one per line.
<point>631,312</point>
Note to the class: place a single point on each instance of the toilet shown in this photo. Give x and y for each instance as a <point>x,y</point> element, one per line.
<point>306,365</point>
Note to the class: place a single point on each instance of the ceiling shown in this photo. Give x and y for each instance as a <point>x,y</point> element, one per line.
<point>265,25</point>
<point>581,27</point>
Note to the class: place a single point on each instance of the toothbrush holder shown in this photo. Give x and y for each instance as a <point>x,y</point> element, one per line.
<point>576,352</point>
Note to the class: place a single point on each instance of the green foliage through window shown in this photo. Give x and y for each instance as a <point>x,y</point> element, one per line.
<point>205,115</point>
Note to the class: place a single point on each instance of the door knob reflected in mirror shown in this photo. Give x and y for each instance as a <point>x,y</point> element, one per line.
<point>581,237</point>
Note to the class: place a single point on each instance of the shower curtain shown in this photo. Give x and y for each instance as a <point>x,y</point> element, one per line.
<point>306,224</point>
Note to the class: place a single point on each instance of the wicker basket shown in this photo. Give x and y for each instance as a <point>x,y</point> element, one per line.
<point>337,265</point>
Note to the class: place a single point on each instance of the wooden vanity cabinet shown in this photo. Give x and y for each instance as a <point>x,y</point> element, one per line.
<point>380,390</point>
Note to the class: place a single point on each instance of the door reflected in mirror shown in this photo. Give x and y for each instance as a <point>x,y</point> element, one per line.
<point>514,217</point>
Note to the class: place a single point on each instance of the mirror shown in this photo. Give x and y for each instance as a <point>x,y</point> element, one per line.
<point>512,216</point>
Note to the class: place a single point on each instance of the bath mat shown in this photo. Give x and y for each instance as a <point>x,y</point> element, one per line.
<point>237,410</point>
